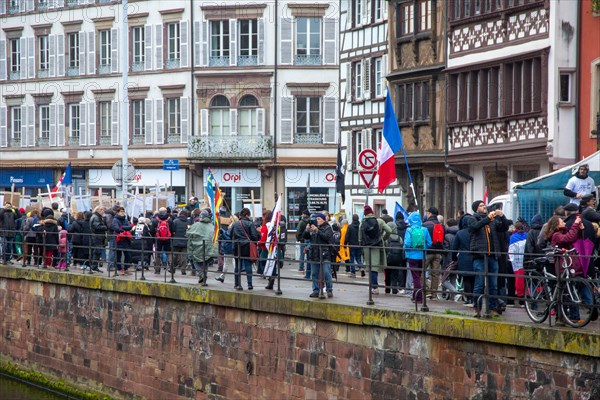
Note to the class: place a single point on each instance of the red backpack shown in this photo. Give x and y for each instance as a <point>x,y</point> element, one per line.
<point>438,236</point>
<point>162,231</point>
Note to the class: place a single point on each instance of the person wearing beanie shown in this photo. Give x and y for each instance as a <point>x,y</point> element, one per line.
<point>485,229</point>
<point>579,185</point>
<point>301,243</point>
<point>8,227</point>
<point>416,241</point>
<point>373,232</point>
<point>385,216</point>
<point>320,237</point>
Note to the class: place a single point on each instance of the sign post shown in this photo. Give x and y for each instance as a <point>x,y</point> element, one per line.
<point>171,165</point>
<point>367,159</point>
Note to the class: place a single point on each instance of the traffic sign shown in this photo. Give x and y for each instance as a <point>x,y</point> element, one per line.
<point>367,159</point>
<point>117,172</point>
<point>170,165</point>
<point>367,177</point>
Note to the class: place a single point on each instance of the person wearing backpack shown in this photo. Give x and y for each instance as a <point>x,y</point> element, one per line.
<point>122,228</point>
<point>226,248</point>
<point>416,241</point>
<point>47,236</point>
<point>8,229</point>
<point>98,241</point>
<point>200,246</point>
<point>352,242</point>
<point>162,229</point>
<point>373,232</point>
<point>79,233</point>
<point>243,232</point>
<point>180,227</point>
<point>29,237</point>
<point>433,262</point>
<point>395,260</point>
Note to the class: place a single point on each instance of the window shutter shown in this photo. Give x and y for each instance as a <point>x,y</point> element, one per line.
<point>91,53</point>
<point>366,78</point>
<point>3,126</point>
<point>184,50</point>
<point>158,46</point>
<point>3,69</point>
<point>159,124</point>
<point>286,120</point>
<point>260,121</point>
<point>51,56</point>
<point>185,119</point>
<point>261,41</point>
<point>348,82</point>
<point>366,12</point>
<point>197,44</point>
<point>232,42</point>
<point>384,69</point>
<point>30,126</point>
<point>205,43</point>
<point>233,122</point>
<point>91,127</point>
<point>53,125</point>
<point>286,48</point>
<point>204,122</point>
<point>384,9</point>
<point>83,131</point>
<point>329,41</point>
<point>31,58</point>
<point>82,53</point>
<point>23,50</point>
<point>350,149</point>
<point>148,47</point>
<point>114,50</point>
<point>149,123</point>
<point>60,55</point>
<point>114,128</point>
<point>60,124</point>
<point>366,139</point>
<point>349,13</point>
<point>24,126</point>
<point>2,8</point>
<point>330,126</point>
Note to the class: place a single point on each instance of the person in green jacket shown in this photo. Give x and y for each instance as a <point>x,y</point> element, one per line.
<point>200,246</point>
<point>373,232</point>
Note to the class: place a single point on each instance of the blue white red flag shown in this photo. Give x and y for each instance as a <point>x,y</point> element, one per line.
<point>273,238</point>
<point>391,143</point>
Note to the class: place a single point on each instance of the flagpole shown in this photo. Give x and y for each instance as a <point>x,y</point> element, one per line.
<point>124,111</point>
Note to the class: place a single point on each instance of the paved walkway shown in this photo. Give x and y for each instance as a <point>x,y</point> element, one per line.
<point>346,291</point>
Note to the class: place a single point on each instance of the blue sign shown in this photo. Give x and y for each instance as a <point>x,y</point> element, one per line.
<point>36,178</point>
<point>170,165</point>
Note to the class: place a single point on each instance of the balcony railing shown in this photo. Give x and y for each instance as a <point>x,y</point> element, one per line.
<point>43,142</point>
<point>71,3</point>
<point>308,138</point>
<point>173,138</point>
<point>139,139</point>
<point>104,69</point>
<point>14,9</point>
<point>43,73</point>
<point>137,66</point>
<point>14,142</point>
<point>230,147</point>
<point>14,75</point>
<point>42,7</point>
<point>218,61</point>
<point>247,60</point>
<point>173,63</point>
<point>105,140</point>
<point>305,59</point>
<point>74,141</point>
<point>73,71</point>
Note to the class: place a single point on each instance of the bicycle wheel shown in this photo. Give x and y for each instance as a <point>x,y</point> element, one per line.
<point>576,307</point>
<point>537,298</point>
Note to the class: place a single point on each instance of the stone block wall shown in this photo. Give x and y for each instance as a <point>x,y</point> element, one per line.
<point>158,346</point>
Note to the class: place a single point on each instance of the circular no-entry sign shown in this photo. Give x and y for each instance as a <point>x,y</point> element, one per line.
<point>367,159</point>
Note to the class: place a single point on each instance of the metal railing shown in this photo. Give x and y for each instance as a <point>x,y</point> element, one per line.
<point>90,253</point>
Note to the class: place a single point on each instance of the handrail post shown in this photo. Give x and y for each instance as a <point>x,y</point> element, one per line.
<point>370,302</point>
<point>486,285</point>
<point>171,267</point>
<point>321,273</point>
<point>424,306</point>
<point>143,257</point>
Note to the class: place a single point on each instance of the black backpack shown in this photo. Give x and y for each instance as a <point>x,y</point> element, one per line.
<point>371,235</point>
<point>335,245</point>
<point>395,250</point>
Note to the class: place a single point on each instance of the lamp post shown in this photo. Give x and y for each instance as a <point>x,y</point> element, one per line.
<point>124,103</point>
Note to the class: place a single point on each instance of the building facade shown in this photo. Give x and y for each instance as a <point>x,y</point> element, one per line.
<point>589,79</point>
<point>249,91</point>
<point>511,71</point>
<point>363,66</point>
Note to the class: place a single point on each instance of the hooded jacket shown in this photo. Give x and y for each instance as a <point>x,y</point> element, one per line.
<point>8,221</point>
<point>462,245</point>
<point>352,233</point>
<point>414,220</point>
<point>180,226</point>
<point>319,242</point>
<point>98,228</point>
<point>531,242</point>
<point>80,232</point>
<point>200,244</point>
<point>121,224</point>
<point>565,239</point>
<point>47,234</point>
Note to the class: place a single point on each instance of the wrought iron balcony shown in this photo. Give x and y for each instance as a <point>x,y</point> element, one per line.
<point>173,138</point>
<point>305,59</point>
<point>139,139</point>
<point>71,3</point>
<point>173,63</point>
<point>247,60</point>
<point>14,8</point>
<point>104,69</point>
<point>14,75</point>
<point>73,71</point>
<point>230,147</point>
<point>137,66</point>
<point>105,140</point>
<point>308,138</point>
<point>14,142</point>
<point>74,141</point>
<point>43,142</point>
<point>43,73</point>
<point>218,61</point>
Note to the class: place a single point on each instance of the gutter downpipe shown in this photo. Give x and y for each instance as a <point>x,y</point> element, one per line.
<point>192,95</point>
<point>578,77</point>
<point>275,97</point>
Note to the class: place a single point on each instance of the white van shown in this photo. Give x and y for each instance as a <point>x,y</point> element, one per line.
<point>507,203</point>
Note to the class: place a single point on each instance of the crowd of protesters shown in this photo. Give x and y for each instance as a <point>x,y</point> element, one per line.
<point>401,247</point>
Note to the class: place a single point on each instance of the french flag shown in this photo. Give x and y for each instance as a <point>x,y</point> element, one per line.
<point>390,145</point>
<point>65,179</point>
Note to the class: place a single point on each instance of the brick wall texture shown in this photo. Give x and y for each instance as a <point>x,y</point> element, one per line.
<point>141,346</point>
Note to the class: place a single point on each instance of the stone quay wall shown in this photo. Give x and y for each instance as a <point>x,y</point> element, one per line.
<point>132,339</point>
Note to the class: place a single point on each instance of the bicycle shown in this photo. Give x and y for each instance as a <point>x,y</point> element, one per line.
<point>544,293</point>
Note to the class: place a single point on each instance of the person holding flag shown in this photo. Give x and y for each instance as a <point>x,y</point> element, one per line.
<point>214,197</point>
<point>271,245</point>
<point>65,180</point>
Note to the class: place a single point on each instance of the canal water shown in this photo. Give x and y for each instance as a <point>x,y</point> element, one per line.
<point>14,390</point>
